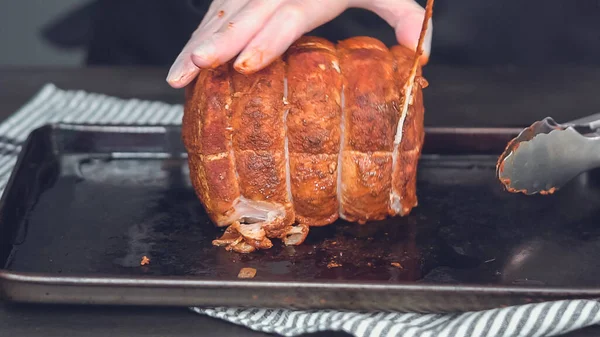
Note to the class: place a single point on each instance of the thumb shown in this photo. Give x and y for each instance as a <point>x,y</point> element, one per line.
<point>406,16</point>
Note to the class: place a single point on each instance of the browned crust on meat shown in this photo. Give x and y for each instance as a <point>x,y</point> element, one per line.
<point>197,178</point>
<point>259,136</point>
<point>216,208</point>
<point>371,95</point>
<point>213,182</point>
<point>262,175</point>
<point>314,97</point>
<point>370,117</point>
<point>258,109</point>
<point>314,187</point>
<point>361,43</point>
<point>206,127</point>
<point>313,126</point>
<point>404,176</point>
<point>192,113</point>
<point>403,60</point>
<point>366,198</point>
<point>312,43</point>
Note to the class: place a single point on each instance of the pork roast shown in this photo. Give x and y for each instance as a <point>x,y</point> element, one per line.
<point>326,131</point>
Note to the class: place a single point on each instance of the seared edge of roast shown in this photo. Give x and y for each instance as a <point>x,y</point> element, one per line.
<point>206,133</point>
<point>410,133</point>
<point>410,129</point>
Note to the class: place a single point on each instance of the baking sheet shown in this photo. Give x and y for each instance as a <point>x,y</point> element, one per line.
<point>86,203</point>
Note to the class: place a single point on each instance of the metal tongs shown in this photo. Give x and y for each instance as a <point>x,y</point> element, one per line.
<point>547,155</point>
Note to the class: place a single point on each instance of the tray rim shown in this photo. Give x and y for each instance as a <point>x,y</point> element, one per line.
<point>179,281</point>
<point>8,277</point>
<point>140,128</point>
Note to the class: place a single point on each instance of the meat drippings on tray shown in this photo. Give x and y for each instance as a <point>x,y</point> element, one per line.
<point>247,273</point>
<point>324,132</point>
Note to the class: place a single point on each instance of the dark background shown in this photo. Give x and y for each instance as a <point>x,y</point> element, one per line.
<point>151,32</point>
<point>519,32</point>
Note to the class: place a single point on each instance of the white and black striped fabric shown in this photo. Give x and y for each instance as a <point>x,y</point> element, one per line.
<point>545,319</point>
<point>52,104</point>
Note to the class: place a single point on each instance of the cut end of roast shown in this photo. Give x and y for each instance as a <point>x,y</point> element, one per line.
<point>255,223</point>
<point>248,211</point>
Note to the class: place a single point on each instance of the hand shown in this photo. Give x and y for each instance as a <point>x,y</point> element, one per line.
<point>261,30</point>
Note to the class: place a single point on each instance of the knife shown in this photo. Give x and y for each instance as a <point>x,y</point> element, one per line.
<point>547,155</point>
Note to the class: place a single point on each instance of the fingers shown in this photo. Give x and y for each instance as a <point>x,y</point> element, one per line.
<point>263,29</point>
<point>291,20</point>
<point>183,70</point>
<point>406,16</point>
<point>227,42</point>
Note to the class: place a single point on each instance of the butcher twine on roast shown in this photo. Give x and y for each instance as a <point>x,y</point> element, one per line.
<point>324,132</point>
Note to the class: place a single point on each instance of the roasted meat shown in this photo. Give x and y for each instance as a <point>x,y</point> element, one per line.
<point>326,131</point>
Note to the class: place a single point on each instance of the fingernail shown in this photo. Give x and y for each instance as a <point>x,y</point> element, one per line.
<point>181,72</point>
<point>427,44</point>
<point>246,61</point>
<point>175,71</point>
<point>205,52</point>
<point>428,38</point>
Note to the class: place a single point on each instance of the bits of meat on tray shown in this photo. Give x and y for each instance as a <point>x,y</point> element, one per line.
<point>247,273</point>
<point>333,264</point>
<point>145,261</point>
<point>397,265</point>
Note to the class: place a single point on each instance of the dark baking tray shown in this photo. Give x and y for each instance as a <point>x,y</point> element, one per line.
<point>85,203</point>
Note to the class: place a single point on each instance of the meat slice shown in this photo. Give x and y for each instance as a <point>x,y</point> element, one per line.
<point>258,121</point>
<point>370,115</point>
<point>407,153</point>
<point>206,133</point>
<point>314,85</point>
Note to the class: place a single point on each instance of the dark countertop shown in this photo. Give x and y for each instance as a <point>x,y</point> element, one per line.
<point>482,97</point>
<point>455,97</point>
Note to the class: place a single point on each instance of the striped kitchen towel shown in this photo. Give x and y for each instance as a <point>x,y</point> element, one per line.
<point>52,104</point>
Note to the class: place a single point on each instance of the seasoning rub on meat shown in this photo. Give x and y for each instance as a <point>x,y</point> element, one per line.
<point>327,131</point>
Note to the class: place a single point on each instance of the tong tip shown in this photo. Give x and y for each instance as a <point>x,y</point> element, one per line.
<point>544,126</point>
